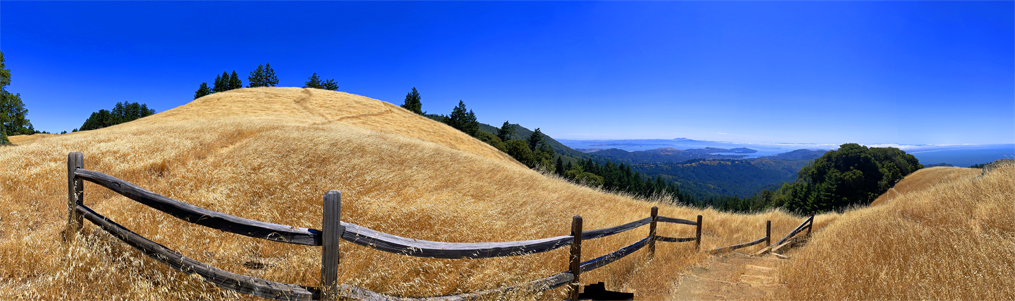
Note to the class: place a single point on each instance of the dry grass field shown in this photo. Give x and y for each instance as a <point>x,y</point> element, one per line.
<point>271,153</point>
<point>947,234</point>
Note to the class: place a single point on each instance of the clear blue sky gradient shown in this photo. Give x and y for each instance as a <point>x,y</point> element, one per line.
<point>803,72</point>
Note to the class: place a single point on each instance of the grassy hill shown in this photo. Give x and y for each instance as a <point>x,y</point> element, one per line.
<point>943,233</point>
<point>270,154</point>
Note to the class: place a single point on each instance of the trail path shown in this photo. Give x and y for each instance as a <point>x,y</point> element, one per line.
<point>731,276</point>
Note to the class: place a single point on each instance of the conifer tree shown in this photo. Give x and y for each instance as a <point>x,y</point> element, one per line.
<point>217,84</point>
<point>535,139</point>
<point>202,91</point>
<point>256,78</point>
<point>269,76</point>
<point>464,121</point>
<point>506,131</point>
<point>234,81</point>
<point>413,103</point>
<point>225,82</point>
<point>315,82</point>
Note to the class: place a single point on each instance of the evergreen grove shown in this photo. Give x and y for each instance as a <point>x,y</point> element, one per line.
<point>122,112</point>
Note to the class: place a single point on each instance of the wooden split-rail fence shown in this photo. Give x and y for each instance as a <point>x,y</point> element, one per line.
<point>334,230</point>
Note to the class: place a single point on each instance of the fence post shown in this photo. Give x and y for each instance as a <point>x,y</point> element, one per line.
<point>768,233</point>
<point>652,233</point>
<point>697,236</point>
<point>75,192</point>
<point>810,225</point>
<point>576,257</point>
<point>330,235</point>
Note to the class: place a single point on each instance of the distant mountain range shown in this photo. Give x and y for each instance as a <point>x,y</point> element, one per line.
<point>670,155</point>
<point>704,171</point>
<point>713,171</point>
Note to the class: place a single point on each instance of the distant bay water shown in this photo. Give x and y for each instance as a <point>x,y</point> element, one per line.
<point>956,155</point>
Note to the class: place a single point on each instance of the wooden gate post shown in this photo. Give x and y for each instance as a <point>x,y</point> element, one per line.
<point>330,235</point>
<point>652,233</point>
<point>576,257</point>
<point>75,192</point>
<point>768,233</point>
<point>697,236</point>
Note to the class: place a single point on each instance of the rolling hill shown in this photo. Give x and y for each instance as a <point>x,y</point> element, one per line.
<point>270,154</point>
<point>943,233</point>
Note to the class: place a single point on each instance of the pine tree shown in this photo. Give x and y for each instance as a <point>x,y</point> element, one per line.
<point>535,139</point>
<point>464,121</point>
<point>221,85</point>
<point>313,82</point>
<point>225,82</point>
<point>559,170</point>
<point>506,131</point>
<point>234,81</point>
<point>202,91</point>
<point>269,76</point>
<point>256,78</point>
<point>413,103</point>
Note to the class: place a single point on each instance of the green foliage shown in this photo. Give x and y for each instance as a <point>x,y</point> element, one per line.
<point>413,102</point>
<point>234,81</point>
<point>507,131</point>
<point>121,113</point>
<point>535,139</point>
<point>221,83</point>
<point>463,121</point>
<point>263,76</point>
<point>543,157</point>
<point>13,115</point>
<point>705,178</point>
<point>315,82</point>
<point>851,175</point>
<point>492,141</point>
<point>519,150</point>
<point>202,91</point>
<point>619,177</point>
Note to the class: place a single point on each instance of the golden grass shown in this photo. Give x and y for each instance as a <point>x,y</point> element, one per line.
<point>270,154</point>
<point>22,139</point>
<point>954,239</point>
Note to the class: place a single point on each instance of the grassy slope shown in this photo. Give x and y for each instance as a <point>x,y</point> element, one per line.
<point>270,154</point>
<point>946,234</point>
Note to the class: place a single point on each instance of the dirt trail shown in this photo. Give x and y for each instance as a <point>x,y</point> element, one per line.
<point>731,276</point>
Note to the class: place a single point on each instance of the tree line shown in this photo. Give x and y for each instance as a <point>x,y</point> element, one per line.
<point>121,112</point>
<point>263,76</point>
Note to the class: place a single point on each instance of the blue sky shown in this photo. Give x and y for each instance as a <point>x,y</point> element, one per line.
<point>800,72</point>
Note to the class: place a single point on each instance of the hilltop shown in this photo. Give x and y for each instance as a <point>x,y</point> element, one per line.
<point>269,154</point>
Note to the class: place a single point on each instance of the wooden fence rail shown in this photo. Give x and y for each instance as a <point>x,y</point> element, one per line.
<point>333,230</point>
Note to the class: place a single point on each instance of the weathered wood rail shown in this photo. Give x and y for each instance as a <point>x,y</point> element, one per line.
<point>333,231</point>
